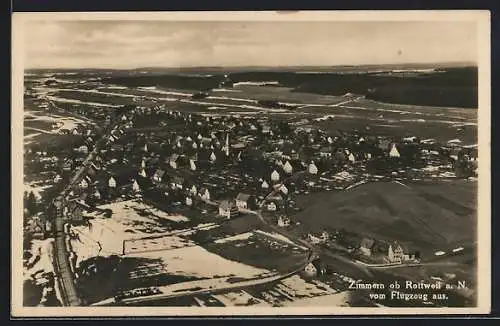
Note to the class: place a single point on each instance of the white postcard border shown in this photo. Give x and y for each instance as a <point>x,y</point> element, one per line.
<point>482,17</point>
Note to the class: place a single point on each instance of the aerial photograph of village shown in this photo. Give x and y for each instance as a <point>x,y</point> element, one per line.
<point>225,164</point>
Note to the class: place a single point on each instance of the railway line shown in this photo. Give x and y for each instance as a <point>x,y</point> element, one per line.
<point>62,265</point>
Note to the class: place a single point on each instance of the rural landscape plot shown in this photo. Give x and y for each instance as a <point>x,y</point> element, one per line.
<point>203,182</point>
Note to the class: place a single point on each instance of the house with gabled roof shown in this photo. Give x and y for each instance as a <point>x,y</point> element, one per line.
<point>173,160</point>
<point>228,209</point>
<point>135,186</point>
<point>266,128</point>
<point>111,182</point>
<point>245,201</point>
<point>204,194</point>
<point>158,175</point>
<point>67,165</point>
<point>84,184</point>
<point>325,151</point>
<point>271,206</point>
<point>394,152</point>
<point>395,253</point>
<point>37,228</point>
<point>177,182</point>
<point>283,221</point>
<point>75,212</point>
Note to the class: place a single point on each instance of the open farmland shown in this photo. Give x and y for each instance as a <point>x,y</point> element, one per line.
<point>441,132</point>
<point>323,110</point>
<point>424,215</point>
<point>277,93</point>
<point>260,249</point>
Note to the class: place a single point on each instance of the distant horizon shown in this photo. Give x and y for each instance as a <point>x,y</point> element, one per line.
<point>449,64</point>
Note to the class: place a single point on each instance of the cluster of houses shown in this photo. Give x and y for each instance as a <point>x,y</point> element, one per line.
<point>39,227</point>
<point>187,150</point>
<point>392,253</point>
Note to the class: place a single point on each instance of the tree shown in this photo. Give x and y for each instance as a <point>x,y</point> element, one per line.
<point>31,203</point>
<point>284,128</point>
<point>463,169</point>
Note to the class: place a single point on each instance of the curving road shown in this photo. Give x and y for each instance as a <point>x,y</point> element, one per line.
<point>313,248</point>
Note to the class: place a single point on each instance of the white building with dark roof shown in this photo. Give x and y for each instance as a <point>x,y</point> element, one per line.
<point>158,176</point>
<point>228,209</point>
<point>244,201</point>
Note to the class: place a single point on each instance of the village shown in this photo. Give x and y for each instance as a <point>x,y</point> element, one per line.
<point>258,167</point>
<point>216,168</point>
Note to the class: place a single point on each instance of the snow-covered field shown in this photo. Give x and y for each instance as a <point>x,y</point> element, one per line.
<point>226,90</point>
<point>199,227</point>
<point>67,100</point>
<point>292,291</point>
<point>129,211</point>
<point>146,238</point>
<point>106,236</point>
<point>40,263</point>
<point>198,262</point>
<point>155,244</point>
<point>240,298</point>
<point>301,288</point>
<point>116,87</point>
<point>231,99</point>
<point>326,117</point>
<point>36,189</point>
<point>279,237</point>
<point>153,89</point>
<point>43,251</point>
<point>431,168</point>
<point>344,175</point>
<point>256,83</point>
<point>330,300</point>
<point>58,122</point>
<point>241,106</point>
<point>238,237</point>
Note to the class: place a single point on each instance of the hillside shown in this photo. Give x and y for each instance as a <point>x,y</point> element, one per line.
<point>424,215</point>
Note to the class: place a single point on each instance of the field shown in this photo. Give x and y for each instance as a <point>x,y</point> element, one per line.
<point>282,94</point>
<point>442,87</point>
<point>142,246</point>
<point>301,91</point>
<point>43,130</point>
<point>261,250</point>
<point>426,216</point>
<point>331,111</point>
<point>293,291</point>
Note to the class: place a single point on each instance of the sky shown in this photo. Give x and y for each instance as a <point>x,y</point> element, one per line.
<point>134,44</point>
